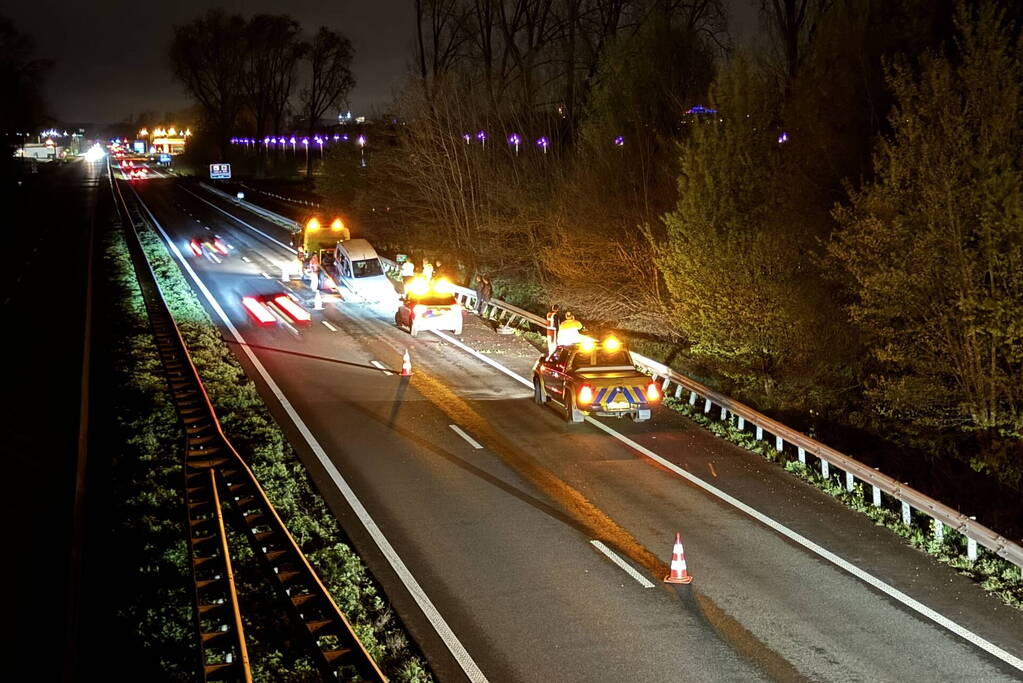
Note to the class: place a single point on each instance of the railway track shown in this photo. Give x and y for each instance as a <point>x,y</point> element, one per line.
<point>217,480</point>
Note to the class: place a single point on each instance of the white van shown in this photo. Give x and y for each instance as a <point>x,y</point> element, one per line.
<point>358,268</point>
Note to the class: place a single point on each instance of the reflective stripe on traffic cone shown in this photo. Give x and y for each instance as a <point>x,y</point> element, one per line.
<point>678,564</point>
<point>406,365</point>
<point>318,301</point>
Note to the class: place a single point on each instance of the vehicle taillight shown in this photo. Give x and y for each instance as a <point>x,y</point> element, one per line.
<point>418,309</point>
<point>653,392</point>
<point>585,395</point>
<point>219,244</point>
<point>294,311</point>
<point>258,311</point>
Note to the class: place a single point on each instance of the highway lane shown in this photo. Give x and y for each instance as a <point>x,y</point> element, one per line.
<point>499,537</point>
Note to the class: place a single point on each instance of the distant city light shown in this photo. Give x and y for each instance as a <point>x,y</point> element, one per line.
<point>784,137</point>
<point>94,153</point>
<point>700,109</point>
<point>619,141</point>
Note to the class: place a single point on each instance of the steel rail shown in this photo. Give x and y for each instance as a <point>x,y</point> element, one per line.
<point>213,465</point>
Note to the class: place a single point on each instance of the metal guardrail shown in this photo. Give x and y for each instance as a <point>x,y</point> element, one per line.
<point>286,223</point>
<point>909,498</point>
<point>215,473</point>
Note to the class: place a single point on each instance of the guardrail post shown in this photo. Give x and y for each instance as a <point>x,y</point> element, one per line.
<point>825,469</point>
<point>706,405</point>
<point>906,518</point>
<point>779,444</point>
<point>724,413</point>
<point>760,433</point>
<point>664,386</point>
<point>678,392</point>
<point>877,497</point>
<point>742,423</point>
<point>802,455</point>
<point>849,481</point>
<point>939,531</point>
<point>971,549</point>
<point>692,398</point>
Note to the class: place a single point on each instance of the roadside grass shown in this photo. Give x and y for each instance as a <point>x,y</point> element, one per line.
<point>991,572</point>
<point>248,424</point>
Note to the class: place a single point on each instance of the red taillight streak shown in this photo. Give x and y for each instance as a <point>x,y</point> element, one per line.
<point>296,312</point>
<point>258,310</point>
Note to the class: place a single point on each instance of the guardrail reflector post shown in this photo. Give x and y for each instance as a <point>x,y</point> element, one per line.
<point>877,497</point>
<point>724,413</point>
<point>779,444</point>
<point>825,470</point>
<point>971,549</point>
<point>760,433</point>
<point>285,274</point>
<point>939,531</point>
<point>692,398</point>
<point>849,481</point>
<point>906,518</point>
<point>706,406</point>
<point>664,386</point>
<point>802,455</point>
<point>678,392</point>
<point>742,423</point>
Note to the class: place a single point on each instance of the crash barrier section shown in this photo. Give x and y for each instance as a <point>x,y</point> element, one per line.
<point>286,223</point>
<point>942,516</point>
<point>290,200</point>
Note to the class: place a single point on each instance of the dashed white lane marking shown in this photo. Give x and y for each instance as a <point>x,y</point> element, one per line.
<point>852,569</point>
<point>265,275</point>
<point>472,442</point>
<point>454,645</point>
<point>329,326</point>
<point>380,365</point>
<point>625,566</point>
<point>246,259</point>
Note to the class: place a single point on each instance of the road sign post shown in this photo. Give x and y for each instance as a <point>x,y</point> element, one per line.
<point>220,171</point>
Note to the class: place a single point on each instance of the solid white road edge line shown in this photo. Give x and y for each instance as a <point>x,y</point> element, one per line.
<point>231,215</point>
<point>458,651</point>
<point>380,365</point>
<point>472,442</point>
<point>329,326</point>
<point>625,566</point>
<point>880,585</point>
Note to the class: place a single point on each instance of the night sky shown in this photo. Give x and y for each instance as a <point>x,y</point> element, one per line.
<point>110,55</point>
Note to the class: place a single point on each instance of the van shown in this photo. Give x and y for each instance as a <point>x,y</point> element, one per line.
<point>359,269</point>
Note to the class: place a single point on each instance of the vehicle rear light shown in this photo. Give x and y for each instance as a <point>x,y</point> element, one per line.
<point>418,310</point>
<point>585,395</point>
<point>294,311</point>
<point>196,248</point>
<point>221,247</point>
<point>258,311</point>
<point>653,392</point>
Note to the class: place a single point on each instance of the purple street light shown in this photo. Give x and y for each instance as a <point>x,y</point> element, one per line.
<point>345,137</point>
<point>293,141</point>
<point>543,143</point>
<point>619,141</point>
<point>361,141</point>
<point>482,137</point>
<point>514,139</point>
<point>784,137</point>
<point>319,141</point>
<point>466,137</point>
<point>336,138</point>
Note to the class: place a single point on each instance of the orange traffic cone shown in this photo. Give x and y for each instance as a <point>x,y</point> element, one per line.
<point>406,365</point>
<point>678,564</point>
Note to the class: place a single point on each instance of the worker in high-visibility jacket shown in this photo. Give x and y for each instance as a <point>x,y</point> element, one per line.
<point>569,331</point>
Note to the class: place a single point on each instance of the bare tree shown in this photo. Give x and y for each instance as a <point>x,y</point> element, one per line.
<point>329,56</point>
<point>207,56</point>
<point>793,23</point>
<point>274,48</point>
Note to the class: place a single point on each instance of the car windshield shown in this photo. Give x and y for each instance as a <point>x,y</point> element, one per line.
<point>433,300</point>
<point>601,359</point>
<point>367,267</point>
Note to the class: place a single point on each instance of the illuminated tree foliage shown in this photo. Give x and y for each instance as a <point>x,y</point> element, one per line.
<point>934,246</point>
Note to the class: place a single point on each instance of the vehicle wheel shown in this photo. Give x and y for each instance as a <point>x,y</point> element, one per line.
<point>571,414</point>
<point>539,395</point>
<point>397,320</point>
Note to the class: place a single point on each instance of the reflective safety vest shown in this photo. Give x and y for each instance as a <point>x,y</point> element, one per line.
<point>408,269</point>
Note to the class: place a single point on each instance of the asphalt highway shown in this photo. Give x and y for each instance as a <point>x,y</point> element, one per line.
<point>506,540</point>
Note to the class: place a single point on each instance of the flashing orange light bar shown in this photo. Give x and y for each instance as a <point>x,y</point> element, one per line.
<point>258,311</point>
<point>337,225</point>
<point>296,312</point>
<point>612,344</point>
<point>418,286</point>
<point>313,225</point>
<point>587,344</point>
